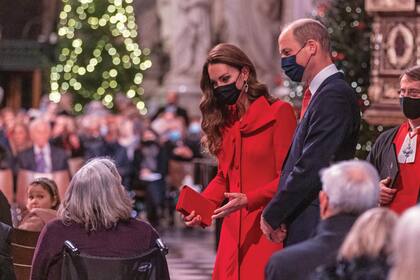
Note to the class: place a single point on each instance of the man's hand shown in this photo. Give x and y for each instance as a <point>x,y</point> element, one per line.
<point>386,193</point>
<point>279,235</point>
<point>266,228</point>
<point>236,202</point>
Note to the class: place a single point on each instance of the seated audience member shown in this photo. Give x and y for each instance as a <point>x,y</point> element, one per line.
<point>6,266</point>
<point>64,135</point>
<point>406,247</point>
<point>116,151</point>
<point>42,204</point>
<point>364,253</point>
<point>95,216</point>
<point>172,106</point>
<point>400,148</point>
<point>5,214</point>
<point>348,189</point>
<point>150,169</point>
<point>92,137</point>
<point>19,141</point>
<point>42,157</point>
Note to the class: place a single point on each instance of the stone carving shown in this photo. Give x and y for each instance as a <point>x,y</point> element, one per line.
<point>254,25</point>
<point>390,5</point>
<point>190,39</point>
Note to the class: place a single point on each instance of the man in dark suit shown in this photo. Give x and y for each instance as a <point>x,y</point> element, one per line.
<point>327,132</point>
<point>42,157</point>
<point>348,189</point>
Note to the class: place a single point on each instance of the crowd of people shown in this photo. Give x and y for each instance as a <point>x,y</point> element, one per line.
<point>295,203</point>
<point>152,154</point>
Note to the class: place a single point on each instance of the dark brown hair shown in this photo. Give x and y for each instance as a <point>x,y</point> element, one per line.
<point>413,73</point>
<point>50,186</point>
<point>216,116</point>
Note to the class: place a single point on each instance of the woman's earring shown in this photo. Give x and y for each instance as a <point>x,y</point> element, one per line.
<point>246,86</point>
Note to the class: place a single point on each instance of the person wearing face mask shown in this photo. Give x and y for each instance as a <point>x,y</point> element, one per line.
<point>249,132</point>
<point>401,146</point>
<point>150,169</point>
<point>327,132</point>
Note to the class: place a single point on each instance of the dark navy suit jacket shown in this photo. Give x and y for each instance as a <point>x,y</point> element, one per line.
<point>299,262</point>
<point>59,159</point>
<point>327,133</point>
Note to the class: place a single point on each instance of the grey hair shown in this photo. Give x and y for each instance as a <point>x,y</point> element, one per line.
<point>406,247</point>
<point>38,122</point>
<point>352,186</point>
<point>95,197</point>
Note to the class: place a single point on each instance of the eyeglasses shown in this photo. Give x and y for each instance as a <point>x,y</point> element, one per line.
<point>409,92</point>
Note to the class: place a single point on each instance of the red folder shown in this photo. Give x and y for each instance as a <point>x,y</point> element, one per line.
<point>189,200</point>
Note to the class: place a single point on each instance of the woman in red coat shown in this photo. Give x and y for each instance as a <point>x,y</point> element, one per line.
<point>250,133</point>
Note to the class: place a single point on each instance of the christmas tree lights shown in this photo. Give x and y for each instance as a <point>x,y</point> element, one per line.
<point>98,54</point>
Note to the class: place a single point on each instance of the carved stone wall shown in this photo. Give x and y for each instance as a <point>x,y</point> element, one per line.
<point>395,43</point>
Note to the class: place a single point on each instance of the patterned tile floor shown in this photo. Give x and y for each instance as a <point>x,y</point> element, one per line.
<point>191,253</point>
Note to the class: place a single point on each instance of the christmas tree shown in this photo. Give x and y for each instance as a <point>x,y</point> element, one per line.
<point>98,54</point>
<point>350,29</point>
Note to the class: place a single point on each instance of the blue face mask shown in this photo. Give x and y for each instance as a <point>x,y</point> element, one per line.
<point>175,135</point>
<point>194,128</point>
<point>291,68</point>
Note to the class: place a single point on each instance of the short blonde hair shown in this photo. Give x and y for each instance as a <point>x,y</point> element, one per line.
<point>370,235</point>
<point>406,246</point>
<point>95,197</point>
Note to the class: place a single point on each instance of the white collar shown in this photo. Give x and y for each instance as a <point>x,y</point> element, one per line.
<point>45,150</point>
<point>321,77</point>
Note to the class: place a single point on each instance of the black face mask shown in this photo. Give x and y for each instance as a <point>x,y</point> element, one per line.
<point>410,107</point>
<point>148,142</point>
<point>227,94</point>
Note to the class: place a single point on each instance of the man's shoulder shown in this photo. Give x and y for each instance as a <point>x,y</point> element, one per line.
<point>387,134</point>
<point>337,85</point>
<point>58,153</point>
<point>298,251</point>
<point>27,151</point>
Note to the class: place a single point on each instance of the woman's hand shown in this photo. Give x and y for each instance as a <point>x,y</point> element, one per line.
<point>192,219</point>
<point>236,202</point>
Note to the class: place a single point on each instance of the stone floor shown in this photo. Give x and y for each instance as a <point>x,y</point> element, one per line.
<point>191,253</point>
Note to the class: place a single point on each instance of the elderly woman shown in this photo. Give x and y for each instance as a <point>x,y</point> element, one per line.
<point>95,216</point>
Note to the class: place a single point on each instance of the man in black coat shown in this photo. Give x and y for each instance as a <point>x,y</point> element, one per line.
<point>327,132</point>
<point>172,107</point>
<point>396,153</point>
<point>348,189</point>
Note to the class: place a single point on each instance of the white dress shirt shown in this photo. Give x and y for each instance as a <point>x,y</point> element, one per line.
<point>46,151</point>
<point>321,77</point>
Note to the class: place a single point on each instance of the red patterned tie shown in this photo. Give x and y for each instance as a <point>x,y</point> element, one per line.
<point>305,102</point>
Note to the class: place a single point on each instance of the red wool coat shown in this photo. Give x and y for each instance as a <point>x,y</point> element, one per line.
<point>250,161</point>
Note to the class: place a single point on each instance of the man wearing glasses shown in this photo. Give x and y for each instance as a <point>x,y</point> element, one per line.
<point>396,153</point>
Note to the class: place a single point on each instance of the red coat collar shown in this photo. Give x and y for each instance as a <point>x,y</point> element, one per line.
<point>258,115</point>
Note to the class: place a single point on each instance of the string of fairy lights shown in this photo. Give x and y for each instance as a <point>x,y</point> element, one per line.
<point>98,53</point>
